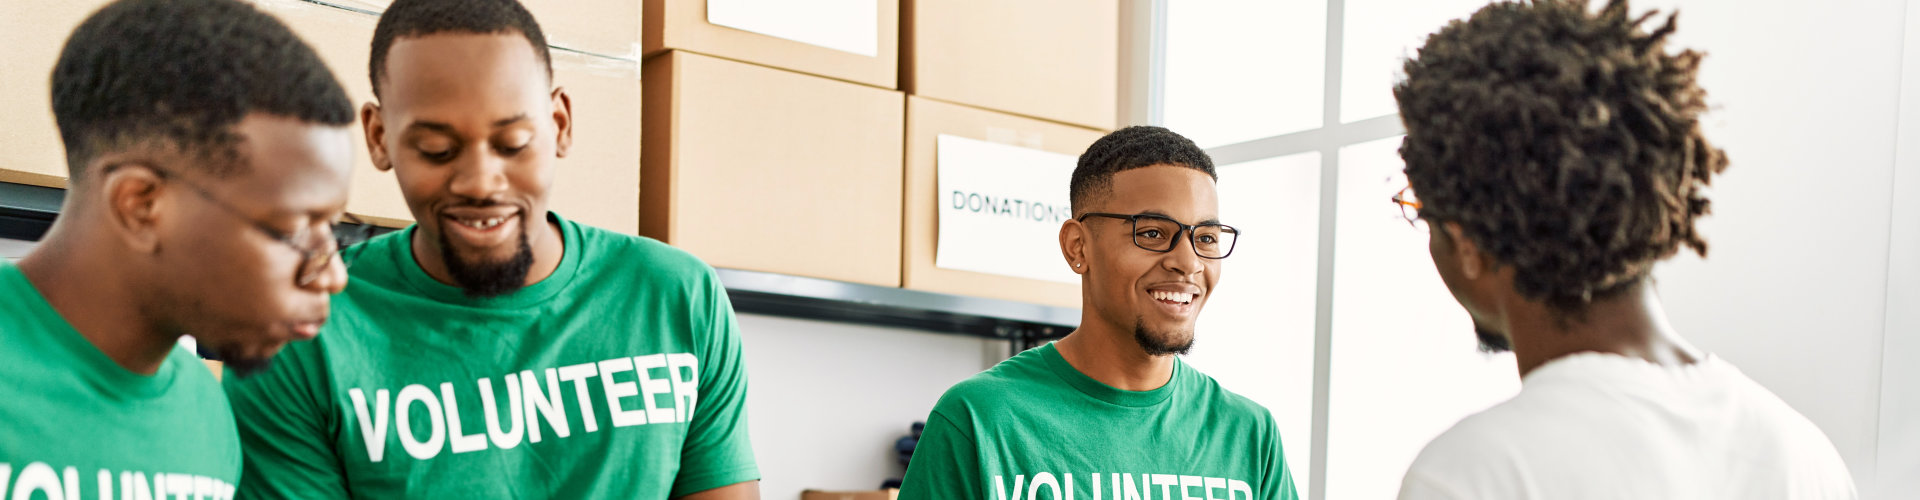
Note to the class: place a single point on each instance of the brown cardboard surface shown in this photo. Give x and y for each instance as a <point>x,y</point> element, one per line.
<point>927,119</point>
<point>682,25</point>
<point>762,169</point>
<point>602,27</point>
<point>341,37</point>
<point>33,33</point>
<point>1057,59</point>
<point>598,182</point>
<point>887,494</point>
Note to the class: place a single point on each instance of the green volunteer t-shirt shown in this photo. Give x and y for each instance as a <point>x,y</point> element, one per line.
<point>1035,428</point>
<point>74,424</point>
<point>619,376</point>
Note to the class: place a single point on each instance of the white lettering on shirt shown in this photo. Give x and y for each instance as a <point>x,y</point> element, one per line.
<point>666,387</point>
<point>37,479</point>
<point>1121,486</point>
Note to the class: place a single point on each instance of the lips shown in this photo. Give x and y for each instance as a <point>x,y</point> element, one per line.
<point>1175,297</point>
<point>306,330</point>
<point>476,227</point>
<point>481,224</point>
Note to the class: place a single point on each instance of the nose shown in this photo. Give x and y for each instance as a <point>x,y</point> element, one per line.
<point>331,279</point>
<point>478,175</point>
<point>1182,258</point>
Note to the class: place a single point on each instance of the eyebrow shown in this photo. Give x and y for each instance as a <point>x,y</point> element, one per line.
<point>449,130</point>
<point>1164,214</point>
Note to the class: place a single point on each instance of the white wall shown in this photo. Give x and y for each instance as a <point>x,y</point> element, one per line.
<point>14,249</point>
<point>1899,458</point>
<point>827,400</point>
<point>1794,288</point>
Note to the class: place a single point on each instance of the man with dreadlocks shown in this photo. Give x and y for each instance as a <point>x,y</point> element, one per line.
<point>1556,154</point>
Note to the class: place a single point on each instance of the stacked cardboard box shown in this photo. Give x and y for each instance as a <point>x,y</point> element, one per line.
<point>756,158</point>
<point>763,169</point>
<point>1041,75</point>
<point>34,33</point>
<point>1055,60</point>
<point>684,25</point>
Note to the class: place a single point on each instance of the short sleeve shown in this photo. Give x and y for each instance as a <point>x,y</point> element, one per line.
<point>717,451</point>
<point>286,429</point>
<point>945,464</point>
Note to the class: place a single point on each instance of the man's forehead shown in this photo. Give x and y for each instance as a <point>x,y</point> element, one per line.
<point>1173,191</point>
<point>293,165</point>
<point>463,67</point>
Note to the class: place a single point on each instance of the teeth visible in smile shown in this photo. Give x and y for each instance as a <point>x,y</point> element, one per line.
<point>482,223</point>
<point>1180,297</point>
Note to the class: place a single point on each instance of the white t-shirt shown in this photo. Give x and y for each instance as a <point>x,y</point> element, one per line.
<point>1603,426</point>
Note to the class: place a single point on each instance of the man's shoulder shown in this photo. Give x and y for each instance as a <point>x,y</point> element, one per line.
<point>627,254</point>
<point>195,387</point>
<point>991,392</point>
<point>1223,403</point>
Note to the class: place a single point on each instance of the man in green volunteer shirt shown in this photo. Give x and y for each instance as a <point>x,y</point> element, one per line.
<point>208,150</point>
<point>494,349</point>
<point>1109,411</point>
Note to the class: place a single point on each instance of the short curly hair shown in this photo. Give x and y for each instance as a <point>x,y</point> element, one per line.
<point>181,74</point>
<point>1565,143</point>
<point>1127,149</point>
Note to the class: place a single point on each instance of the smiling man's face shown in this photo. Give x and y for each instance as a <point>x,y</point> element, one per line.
<point>471,127</point>
<point>1158,295</point>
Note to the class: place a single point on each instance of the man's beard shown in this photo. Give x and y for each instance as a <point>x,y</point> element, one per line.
<point>1491,341</point>
<point>489,279</point>
<point>1157,345</point>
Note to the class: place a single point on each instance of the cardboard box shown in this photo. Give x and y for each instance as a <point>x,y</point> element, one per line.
<point>762,169</point>
<point>609,28</point>
<point>342,39</point>
<point>599,180</point>
<point>682,25</point>
<point>1057,60</point>
<point>34,33</point>
<point>927,119</point>
<point>887,494</point>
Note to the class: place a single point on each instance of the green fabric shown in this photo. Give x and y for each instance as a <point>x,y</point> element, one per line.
<point>1034,427</point>
<point>74,424</point>
<point>366,410</point>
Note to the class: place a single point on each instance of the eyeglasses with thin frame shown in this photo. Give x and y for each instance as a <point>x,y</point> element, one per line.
<point>316,254</point>
<point>1159,233</point>
<point>1410,208</point>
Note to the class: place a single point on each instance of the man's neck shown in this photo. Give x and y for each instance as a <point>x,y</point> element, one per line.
<point>1112,357</point>
<point>1632,324</point>
<point>82,285</point>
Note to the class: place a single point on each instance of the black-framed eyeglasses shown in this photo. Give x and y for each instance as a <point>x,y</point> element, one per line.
<point>316,253</point>
<point>1159,233</point>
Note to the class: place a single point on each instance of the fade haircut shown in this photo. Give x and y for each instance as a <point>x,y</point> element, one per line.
<point>179,74</point>
<point>1127,149</point>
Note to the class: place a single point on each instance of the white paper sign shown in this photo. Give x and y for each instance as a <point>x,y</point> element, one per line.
<point>1001,208</point>
<point>843,25</point>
